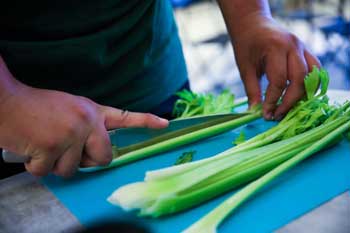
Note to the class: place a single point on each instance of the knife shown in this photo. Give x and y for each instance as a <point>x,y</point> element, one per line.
<point>127,140</point>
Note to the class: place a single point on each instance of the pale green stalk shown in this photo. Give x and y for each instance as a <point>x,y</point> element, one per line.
<point>183,139</point>
<point>227,179</point>
<point>210,222</point>
<point>262,139</point>
<point>175,142</point>
<point>209,180</point>
<point>167,204</point>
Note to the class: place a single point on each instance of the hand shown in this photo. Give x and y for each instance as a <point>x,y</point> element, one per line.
<point>58,131</point>
<point>261,46</point>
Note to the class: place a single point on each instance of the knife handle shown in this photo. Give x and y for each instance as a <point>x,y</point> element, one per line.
<point>10,157</point>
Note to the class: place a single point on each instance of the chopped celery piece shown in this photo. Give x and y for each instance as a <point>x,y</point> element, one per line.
<point>186,157</point>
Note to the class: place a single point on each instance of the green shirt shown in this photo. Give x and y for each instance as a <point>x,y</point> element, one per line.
<point>122,53</point>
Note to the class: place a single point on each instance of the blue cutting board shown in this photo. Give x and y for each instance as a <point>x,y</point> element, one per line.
<point>311,183</point>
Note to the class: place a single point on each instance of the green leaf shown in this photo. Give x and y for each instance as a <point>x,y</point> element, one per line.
<point>240,139</point>
<point>186,95</point>
<point>193,104</point>
<point>311,82</point>
<point>186,157</point>
<point>324,77</point>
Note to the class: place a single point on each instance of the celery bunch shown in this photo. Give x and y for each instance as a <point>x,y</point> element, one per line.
<point>340,116</point>
<point>177,188</point>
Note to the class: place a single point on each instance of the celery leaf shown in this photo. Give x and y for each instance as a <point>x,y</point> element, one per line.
<point>324,77</point>
<point>240,139</point>
<point>193,104</point>
<point>311,82</point>
<point>186,157</point>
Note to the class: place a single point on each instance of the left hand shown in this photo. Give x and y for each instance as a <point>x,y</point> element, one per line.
<point>263,47</point>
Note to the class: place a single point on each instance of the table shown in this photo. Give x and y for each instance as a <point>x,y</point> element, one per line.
<point>26,206</point>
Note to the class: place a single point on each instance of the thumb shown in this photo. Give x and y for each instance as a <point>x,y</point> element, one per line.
<point>116,118</point>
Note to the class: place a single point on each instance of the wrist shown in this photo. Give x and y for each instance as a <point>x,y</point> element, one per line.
<point>242,15</point>
<point>250,23</point>
<point>8,84</point>
<point>9,88</point>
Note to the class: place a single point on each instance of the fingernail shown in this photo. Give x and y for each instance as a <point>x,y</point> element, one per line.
<point>268,116</point>
<point>163,121</point>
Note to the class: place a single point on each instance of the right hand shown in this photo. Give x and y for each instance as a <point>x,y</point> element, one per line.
<point>59,131</point>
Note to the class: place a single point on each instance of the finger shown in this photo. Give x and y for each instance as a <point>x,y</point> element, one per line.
<point>86,161</point>
<point>98,146</point>
<point>276,71</point>
<point>67,164</point>
<point>311,60</point>
<point>297,70</point>
<point>116,118</point>
<point>252,86</point>
<point>40,165</point>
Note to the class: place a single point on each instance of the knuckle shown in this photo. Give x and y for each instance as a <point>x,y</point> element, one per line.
<point>71,130</point>
<point>51,145</point>
<point>145,119</point>
<point>277,41</point>
<point>149,117</point>
<point>83,112</point>
<point>37,171</point>
<point>296,43</point>
<point>87,100</point>
<point>294,39</point>
<point>149,120</point>
<point>279,83</point>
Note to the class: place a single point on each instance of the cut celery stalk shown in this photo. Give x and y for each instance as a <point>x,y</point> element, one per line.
<point>210,222</point>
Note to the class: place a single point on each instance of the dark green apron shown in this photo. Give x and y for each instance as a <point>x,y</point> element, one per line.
<point>122,53</point>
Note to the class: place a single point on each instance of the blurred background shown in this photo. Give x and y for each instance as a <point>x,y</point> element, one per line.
<point>323,26</point>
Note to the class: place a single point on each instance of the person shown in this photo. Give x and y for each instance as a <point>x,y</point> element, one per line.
<point>71,70</point>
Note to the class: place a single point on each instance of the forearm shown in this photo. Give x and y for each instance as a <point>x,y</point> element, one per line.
<point>7,90</point>
<point>237,13</point>
<point>7,84</point>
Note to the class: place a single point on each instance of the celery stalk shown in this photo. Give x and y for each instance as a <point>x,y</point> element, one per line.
<point>147,149</point>
<point>165,196</point>
<point>212,220</point>
<point>183,139</point>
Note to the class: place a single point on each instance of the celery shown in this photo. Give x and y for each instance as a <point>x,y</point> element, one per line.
<point>169,190</point>
<point>192,104</point>
<point>175,139</point>
<point>180,140</point>
<point>186,189</point>
<point>240,139</point>
<point>306,115</point>
<point>186,157</point>
<point>211,221</point>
